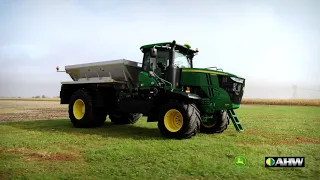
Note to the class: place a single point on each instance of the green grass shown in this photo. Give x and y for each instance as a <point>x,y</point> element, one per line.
<point>54,150</point>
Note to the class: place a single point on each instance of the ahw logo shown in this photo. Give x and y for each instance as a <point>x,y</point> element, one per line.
<point>284,162</point>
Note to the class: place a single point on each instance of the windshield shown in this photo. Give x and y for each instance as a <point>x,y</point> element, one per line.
<point>181,61</point>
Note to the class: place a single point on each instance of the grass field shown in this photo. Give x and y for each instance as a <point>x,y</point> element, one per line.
<point>52,149</point>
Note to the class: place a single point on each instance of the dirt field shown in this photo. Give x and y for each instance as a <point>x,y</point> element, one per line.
<point>18,110</point>
<point>27,109</point>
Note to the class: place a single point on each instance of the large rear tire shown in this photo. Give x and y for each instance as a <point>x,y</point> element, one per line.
<point>82,113</point>
<point>217,124</point>
<point>178,120</point>
<point>124,118</point>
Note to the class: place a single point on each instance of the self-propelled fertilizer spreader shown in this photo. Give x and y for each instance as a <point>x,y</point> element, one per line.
<point>166,89</point>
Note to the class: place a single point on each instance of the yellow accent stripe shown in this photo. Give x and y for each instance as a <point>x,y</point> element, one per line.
<point>202,71</point>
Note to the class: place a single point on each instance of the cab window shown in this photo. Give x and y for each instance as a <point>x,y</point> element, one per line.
<point>181,61</point>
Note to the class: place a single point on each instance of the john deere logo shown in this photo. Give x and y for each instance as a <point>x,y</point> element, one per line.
<point>240,161</point>
<point>270,162</point>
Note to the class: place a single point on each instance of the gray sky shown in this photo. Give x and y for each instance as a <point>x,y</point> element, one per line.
<point>272,43</point>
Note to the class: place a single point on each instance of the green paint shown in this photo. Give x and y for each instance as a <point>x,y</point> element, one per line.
<point>211,71</point>
<point>146,82</point>
<point>219,100</point>
<point>193,79</point>
<point>235,106</point>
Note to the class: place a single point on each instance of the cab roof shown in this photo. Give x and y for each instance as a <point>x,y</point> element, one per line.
<point>181,48</point>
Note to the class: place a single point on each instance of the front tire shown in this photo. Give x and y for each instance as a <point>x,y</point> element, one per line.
<point>217,124</point>
<point>178,120</point>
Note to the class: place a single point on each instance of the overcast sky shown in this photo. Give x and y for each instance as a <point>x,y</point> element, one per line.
<point>272,43</point>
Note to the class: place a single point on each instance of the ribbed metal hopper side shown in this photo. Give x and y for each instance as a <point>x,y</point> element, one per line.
<point>118,70</point>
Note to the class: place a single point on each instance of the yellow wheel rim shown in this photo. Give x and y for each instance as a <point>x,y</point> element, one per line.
<point>173,120</point>
<point>79,109</point>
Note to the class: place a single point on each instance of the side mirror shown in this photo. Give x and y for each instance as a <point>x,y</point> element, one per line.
<point>153,52</point>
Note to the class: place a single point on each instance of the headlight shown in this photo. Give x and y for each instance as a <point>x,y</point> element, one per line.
<point>238,80</point>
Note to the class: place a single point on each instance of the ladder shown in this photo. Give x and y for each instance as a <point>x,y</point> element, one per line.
<point>235,120</point>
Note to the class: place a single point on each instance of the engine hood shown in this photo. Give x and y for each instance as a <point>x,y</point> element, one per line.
<point>210,71</point>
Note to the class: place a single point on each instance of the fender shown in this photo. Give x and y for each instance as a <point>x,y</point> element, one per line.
<point>169,96</point>
<point>187,95</point>
<point>177,95</point>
